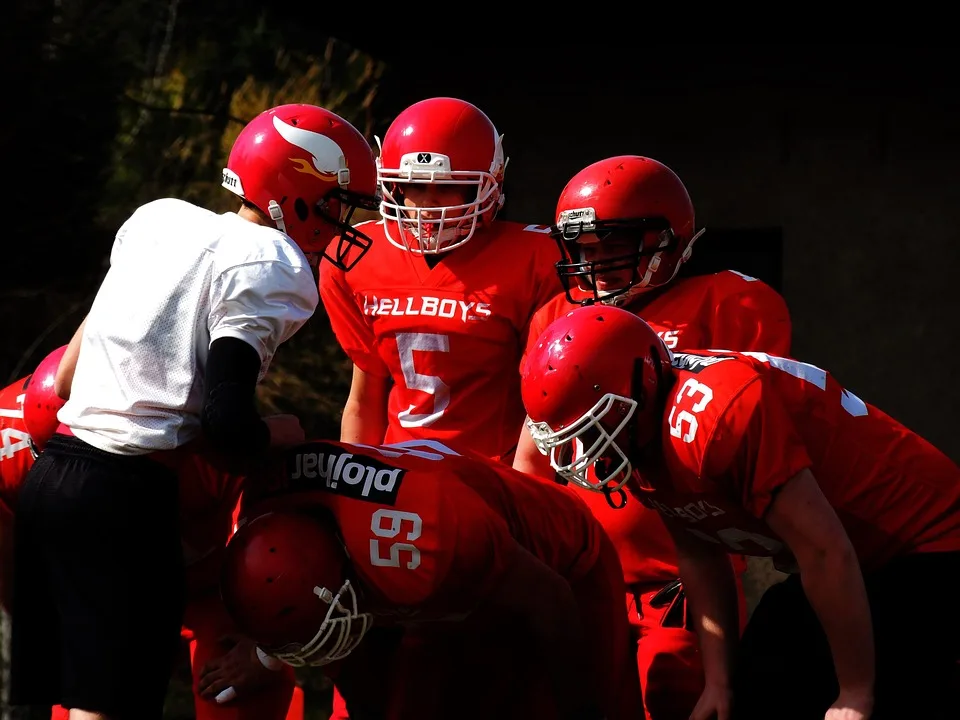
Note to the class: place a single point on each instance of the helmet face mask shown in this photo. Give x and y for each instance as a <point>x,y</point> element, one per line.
<point>610,260</point>
<point>350,244</point>
<point>337,636</point>
<point>429,227</point>
<point>590,443</point>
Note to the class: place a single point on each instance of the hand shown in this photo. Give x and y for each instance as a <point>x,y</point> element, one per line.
<point>285,430</point>
<point>851,705</point>
<point>714,703</point>
<point>238,669</point>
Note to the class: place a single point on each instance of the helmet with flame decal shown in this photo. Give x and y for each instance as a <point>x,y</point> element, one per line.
<point>308,169</point>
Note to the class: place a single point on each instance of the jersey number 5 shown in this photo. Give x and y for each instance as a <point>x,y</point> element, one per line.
<point>387,525</point>
<point>407,343</point>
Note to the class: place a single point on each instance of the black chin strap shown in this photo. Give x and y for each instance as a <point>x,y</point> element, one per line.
<point>611,494</point>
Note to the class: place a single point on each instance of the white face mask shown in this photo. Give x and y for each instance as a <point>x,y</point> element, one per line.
<point>575,449</point>
<point>433,230</point>
<point>337,636</point>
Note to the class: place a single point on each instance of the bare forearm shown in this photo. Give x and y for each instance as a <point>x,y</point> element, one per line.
<point>712,594</point>
<point>834,586</point>
<point>364,425</point>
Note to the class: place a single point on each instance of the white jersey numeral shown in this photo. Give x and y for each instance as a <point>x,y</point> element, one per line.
<point>388,524</point>
<point>407,343</point>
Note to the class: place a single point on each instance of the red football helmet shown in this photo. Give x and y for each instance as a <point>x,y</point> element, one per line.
<point>41,402</point>
<point>593,388</point>
<point>442,142</point>
<point>309,170</point>
<point>629,202</point>
<point>282,581</point>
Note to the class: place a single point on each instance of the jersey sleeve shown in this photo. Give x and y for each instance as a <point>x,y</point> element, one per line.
<point>755,448</point>
<point>263,304</point>
<point>16,459</point>
<point>116,251</point>
<point>348,322</point>
<point>753,317</point>
<point>544,282</point>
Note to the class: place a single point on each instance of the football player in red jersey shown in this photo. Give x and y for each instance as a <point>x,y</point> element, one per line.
<point>756,454</point>
<point>625,225</point>
<point>28,418</point>
<point>345,538</point>
<point>434,318</point>
<point>16,456</point>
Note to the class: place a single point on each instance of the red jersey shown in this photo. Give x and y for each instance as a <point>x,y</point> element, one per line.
<point>726,310</point>
<point>738,426</point>
<point>722,310</point>
<point>429,532</point>
<point>451,337</point>
<point>16,457</point>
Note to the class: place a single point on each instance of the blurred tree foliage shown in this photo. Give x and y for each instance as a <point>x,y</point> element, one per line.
<point>119,103</point>
<point>137,100</point>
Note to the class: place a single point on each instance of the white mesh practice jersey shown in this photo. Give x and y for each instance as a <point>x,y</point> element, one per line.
<point>180,277</point>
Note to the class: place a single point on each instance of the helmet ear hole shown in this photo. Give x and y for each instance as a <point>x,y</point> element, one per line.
<point>301,208</point>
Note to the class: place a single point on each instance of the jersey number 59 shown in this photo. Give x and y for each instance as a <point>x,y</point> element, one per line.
<point>387,525</point>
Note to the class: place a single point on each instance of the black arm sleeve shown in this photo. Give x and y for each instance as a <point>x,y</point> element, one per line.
<point>229,417</point>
